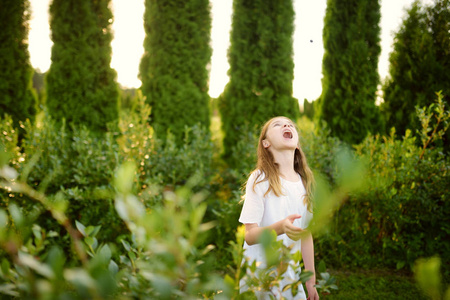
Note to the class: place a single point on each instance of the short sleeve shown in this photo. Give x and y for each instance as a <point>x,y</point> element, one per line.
<point>253,209</point>
<point>306,219</point>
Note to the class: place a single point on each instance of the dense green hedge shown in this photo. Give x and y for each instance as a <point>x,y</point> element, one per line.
<point>416,71</point>
<point>173,68</point>
<point>80,83</point>
<point>17,98</point>
<point>261,68</point>
<point>79,166</point>
<point>351,39</point>
<point>400,215</point>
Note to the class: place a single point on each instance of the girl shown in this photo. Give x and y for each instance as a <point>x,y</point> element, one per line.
<point>278,197</point>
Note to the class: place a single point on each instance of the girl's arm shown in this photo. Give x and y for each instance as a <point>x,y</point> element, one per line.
<point>308,260</point>
<point>253,231</point>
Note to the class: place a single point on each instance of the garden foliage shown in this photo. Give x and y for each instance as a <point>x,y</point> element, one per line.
<point>173,68</point>
<point>419,64</point>
<point>17,98</point>
<point>81,85</point>
<point>78,166</point>
<point>261,68</point>
<point>126,215</point>
<point>351,38</point>
<point>401,214</point>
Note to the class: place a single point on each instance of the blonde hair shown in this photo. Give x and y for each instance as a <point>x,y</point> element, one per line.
<point>267,166</point>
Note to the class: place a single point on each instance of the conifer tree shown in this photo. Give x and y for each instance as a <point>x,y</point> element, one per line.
<point>308,109</point>
<point>17,97</point>
<point>419,64</point>
<point>81,85</point>
<point>173,69</point>
<point>261,68</point>
<point>351,37</point>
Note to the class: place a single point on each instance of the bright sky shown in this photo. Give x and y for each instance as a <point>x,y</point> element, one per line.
<point>129,36</point>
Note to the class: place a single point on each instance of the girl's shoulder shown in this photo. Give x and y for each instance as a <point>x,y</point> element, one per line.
<point>256,178</point>
<point>257,175</point>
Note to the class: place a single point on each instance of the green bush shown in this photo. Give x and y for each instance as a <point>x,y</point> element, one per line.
<point>261,69</point>
<point>173,68</point>
<point>164,255</point>
<point>81,86</point>
<point>417,72</point>
<point>402,213</point>
<point>78,165</point>
<point>351,39</point>
<point>17,97</point>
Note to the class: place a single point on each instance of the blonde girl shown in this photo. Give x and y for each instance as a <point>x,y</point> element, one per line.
<point>278,197</point>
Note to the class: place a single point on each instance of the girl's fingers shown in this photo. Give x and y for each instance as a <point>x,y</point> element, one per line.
<point>293,228</point>
<point>294,217</point>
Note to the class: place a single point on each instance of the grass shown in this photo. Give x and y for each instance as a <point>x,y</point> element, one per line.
<point>373,284</point>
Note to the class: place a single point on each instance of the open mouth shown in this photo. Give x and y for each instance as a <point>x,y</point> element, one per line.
<point>287,135</point>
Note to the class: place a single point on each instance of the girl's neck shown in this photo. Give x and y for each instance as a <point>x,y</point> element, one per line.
<point>285,161</point>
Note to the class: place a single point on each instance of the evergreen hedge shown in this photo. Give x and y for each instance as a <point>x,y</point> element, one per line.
<point>17,98</point>
<point>261,68</point>
<point>419,64</point>
<point>351,38</point>
<point>173,68</point>
<point>81,85</point>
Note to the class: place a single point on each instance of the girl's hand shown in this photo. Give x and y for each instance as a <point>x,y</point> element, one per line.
<point>312,291</point>
<point>293,232</point>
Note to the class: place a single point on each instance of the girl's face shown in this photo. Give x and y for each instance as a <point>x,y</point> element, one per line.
<point>281,135</point>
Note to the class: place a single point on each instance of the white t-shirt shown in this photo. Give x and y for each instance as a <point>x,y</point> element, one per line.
<point>266,210</point>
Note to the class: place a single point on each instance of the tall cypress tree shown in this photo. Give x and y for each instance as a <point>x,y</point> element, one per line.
<point>173,69</point>
<point>261,67</point>
<point>351,37</point>
<point>81,85</point>
<point>419,64</point>
<point>16,94</point>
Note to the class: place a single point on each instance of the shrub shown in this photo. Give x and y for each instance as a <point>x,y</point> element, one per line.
<point>17,97</point>
<point>401,214</point>
<point>261,68</point>
<point>78,165</point>
<point>351,39</point>
<point>173,68</point>
<point>80,83</point>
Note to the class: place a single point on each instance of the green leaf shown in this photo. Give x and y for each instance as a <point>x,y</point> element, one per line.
<point>104,253</point>
<point>96,230</point>
<point>131,255</point>
<point>56,260</point>
<point>36,265</point>
<point>113,267</point>
<point>325,276</point>
<point>16,214</point>
<point>9,289</point>
<point>3,221</point>
<point>228,280</point>
<point>305,276</point>
<point>400,264</point>
<point>79,277</point>
<point>81,228</point>
<point>126,245</point>
<point>124,178</point>
<point>322,267</point>
<point>37,232</point>
<point>428,276</point>
<point>297,256</point>
<point>5,267</point>
<point>89,241</point>
<point>88,230</point>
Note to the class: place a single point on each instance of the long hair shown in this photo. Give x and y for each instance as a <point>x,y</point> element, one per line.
<point>268,168</point>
